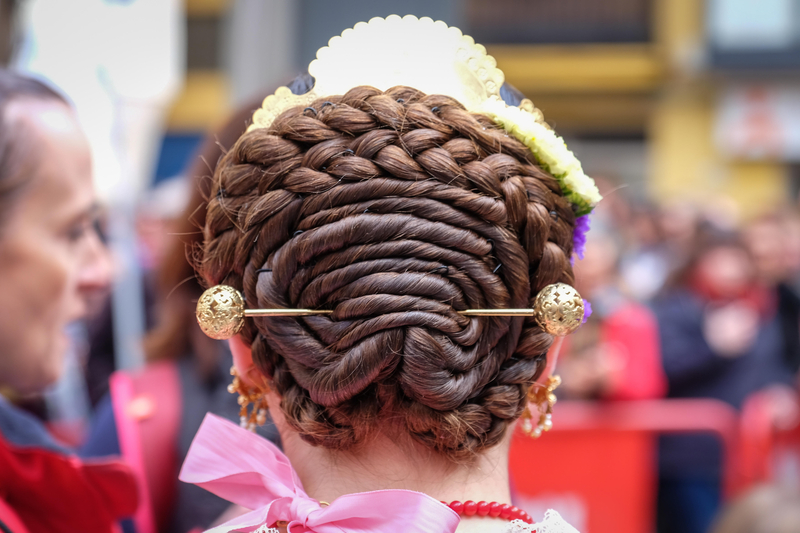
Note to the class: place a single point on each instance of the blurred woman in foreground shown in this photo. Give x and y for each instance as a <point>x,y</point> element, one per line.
<point>52,261</point>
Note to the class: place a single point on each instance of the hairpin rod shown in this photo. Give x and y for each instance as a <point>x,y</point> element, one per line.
<point>311,312</point>
<point>285,312</point>
<point>497,312</point>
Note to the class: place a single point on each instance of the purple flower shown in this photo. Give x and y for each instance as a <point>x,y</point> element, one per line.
<point>579,236</point>
<point>587,311</point>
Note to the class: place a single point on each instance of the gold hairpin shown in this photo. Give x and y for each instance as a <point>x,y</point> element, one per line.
<point>558,309</point>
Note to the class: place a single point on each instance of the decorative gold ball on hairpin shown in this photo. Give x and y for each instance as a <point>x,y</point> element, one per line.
<point>558,309</point>
<point>220,312</point>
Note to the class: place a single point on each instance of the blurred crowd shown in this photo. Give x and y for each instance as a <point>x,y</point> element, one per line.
<point>688,301</point>
<point>696,295</point>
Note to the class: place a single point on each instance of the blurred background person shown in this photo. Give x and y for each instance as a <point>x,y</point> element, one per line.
<point>159,218</point>
<point>774,247</point>
<point>645,263</point>
<point>792,248</point>
<point>199,367</point>
<point>53,264</point>
<point>615,355</point>
<point>720,338</point>
<point>764,509</point>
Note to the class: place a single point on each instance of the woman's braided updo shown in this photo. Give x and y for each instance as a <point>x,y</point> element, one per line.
<point>393,209</point>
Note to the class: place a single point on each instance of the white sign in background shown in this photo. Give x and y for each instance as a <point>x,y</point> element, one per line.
<point>753,24</point>
<point>759,122</point>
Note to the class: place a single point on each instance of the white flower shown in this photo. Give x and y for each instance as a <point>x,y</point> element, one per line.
<point>549,150</point>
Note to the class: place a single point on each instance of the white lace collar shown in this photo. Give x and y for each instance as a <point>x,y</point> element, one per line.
<point>552,523</point>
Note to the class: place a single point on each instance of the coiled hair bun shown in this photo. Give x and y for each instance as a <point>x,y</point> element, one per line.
<point>393,209</point>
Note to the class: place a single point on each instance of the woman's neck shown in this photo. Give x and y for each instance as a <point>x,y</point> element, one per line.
<point>383,463</point>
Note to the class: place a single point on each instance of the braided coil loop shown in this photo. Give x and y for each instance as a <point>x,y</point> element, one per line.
<point>393,209</point>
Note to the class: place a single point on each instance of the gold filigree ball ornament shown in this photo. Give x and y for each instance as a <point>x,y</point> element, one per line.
<point>220,312</point>
<point>558,309</point>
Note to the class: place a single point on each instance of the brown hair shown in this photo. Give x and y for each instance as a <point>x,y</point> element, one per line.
<point>175,333</point>
<point>17,157</point>
<point>393,209</point>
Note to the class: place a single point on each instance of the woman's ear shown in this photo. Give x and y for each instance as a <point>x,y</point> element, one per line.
<point>552,360</point>
<point>242,358</point>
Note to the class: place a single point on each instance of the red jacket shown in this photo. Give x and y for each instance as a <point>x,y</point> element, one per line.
<point>49,490</point>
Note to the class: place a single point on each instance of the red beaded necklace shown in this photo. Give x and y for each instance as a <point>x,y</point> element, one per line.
<point>493,509</point>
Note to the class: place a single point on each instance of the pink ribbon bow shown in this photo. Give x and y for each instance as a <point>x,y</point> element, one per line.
<point>248,470</point>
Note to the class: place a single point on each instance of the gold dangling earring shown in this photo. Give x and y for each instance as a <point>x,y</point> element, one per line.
<point>248,395</point>
<point>543,397</point>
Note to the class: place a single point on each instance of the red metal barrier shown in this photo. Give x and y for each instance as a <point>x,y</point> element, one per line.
<point>770,437</point>
<point>598,467</point>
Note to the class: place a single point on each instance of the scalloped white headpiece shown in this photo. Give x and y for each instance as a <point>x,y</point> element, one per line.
<point>435,59</point>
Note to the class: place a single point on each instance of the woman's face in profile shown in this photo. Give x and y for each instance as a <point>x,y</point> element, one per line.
<point>51,257</point>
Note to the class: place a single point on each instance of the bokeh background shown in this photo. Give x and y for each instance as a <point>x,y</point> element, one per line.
<point>687,113</point>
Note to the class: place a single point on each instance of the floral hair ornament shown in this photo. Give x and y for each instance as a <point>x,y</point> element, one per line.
<point>459,68</point>
<point>558,309</point>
